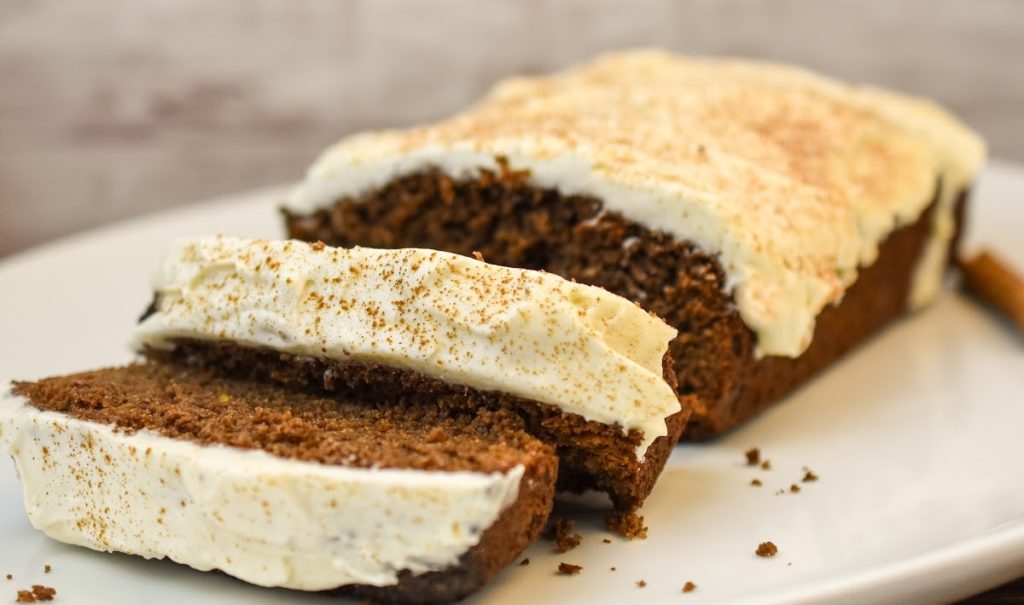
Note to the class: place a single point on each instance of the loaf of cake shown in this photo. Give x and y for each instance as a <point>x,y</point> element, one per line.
<point>775,217</point>
<point>275,486</point>
<point>588,371</point>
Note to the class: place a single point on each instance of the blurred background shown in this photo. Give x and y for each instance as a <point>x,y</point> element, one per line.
<point>112,108</point>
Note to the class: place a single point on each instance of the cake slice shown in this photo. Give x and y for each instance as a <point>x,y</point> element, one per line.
<point>775,217</point>
<point>275,486</point>
<point>587,371</point>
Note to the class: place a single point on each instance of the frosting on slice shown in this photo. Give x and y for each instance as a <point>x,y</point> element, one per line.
<point>270,521</point>
<point>492,328</point>
<point>791,178</point>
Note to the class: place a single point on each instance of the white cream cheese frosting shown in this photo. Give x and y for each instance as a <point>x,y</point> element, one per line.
<point>792,179</point>
<point>267,520</point>
<point>492,328</point>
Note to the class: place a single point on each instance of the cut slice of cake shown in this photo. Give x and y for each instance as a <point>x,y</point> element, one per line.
<point>587,371</point>
<point>276,486</point>
<point>775,217</point>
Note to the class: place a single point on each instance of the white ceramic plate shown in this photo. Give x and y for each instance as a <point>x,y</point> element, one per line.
<point>918,439</point>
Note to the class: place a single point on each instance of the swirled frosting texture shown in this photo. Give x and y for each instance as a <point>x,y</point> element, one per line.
<point>792,179</point>
<point>526,333</point>
<point>267,520</point>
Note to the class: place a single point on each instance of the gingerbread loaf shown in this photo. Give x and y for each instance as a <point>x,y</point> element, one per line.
<point>775,217</point>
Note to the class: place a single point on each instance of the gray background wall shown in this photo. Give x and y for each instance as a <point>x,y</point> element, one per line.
<point>110,108</point>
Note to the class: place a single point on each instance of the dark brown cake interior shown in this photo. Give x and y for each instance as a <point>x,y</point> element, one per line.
<point>198,405</point>
<point>591,454</point>
<point>514,223</point>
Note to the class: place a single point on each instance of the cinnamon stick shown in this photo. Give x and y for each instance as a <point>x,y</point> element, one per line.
<point>994,281</point>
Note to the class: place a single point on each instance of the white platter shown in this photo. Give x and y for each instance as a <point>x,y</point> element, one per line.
<point>918,438</point>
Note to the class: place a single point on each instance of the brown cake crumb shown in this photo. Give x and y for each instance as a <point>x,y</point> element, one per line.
<point>753,456</point>
<point>755,482</point>
<point>38,593</point>
<point>560,532</point>
<point>606,540</point>
<point>437,435</point>
<point>611,569</point>
<point>47,568</point>
<point>10,577</point>
<point>689,587</point>
<point>43,593</point>
<point>766,465</point>
<point>568,569</point>
<point>628,525</point>
<point>524,562</point>
<point>766,549</point>
<point>794,488</point>
<point>809,476</point>
<point>478,255</point>
<point>640,583</point>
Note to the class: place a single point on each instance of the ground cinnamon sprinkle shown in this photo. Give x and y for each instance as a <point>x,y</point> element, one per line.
<point>10,577</point>
<point>766,549</point>
<point>606,540</point>
<point>753,456</point>
<point>755,482</point>
<point>568,569</point>
<point>766,465</point>
<point>809,475</point>
<point>794,488</point>
<point>689,587</point>
<point>47,568</point>
<point>640,583</point>
<point>525,561</point>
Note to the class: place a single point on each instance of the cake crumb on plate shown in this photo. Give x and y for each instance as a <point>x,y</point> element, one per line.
<point>629,525</point>
<point>766,549</point>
